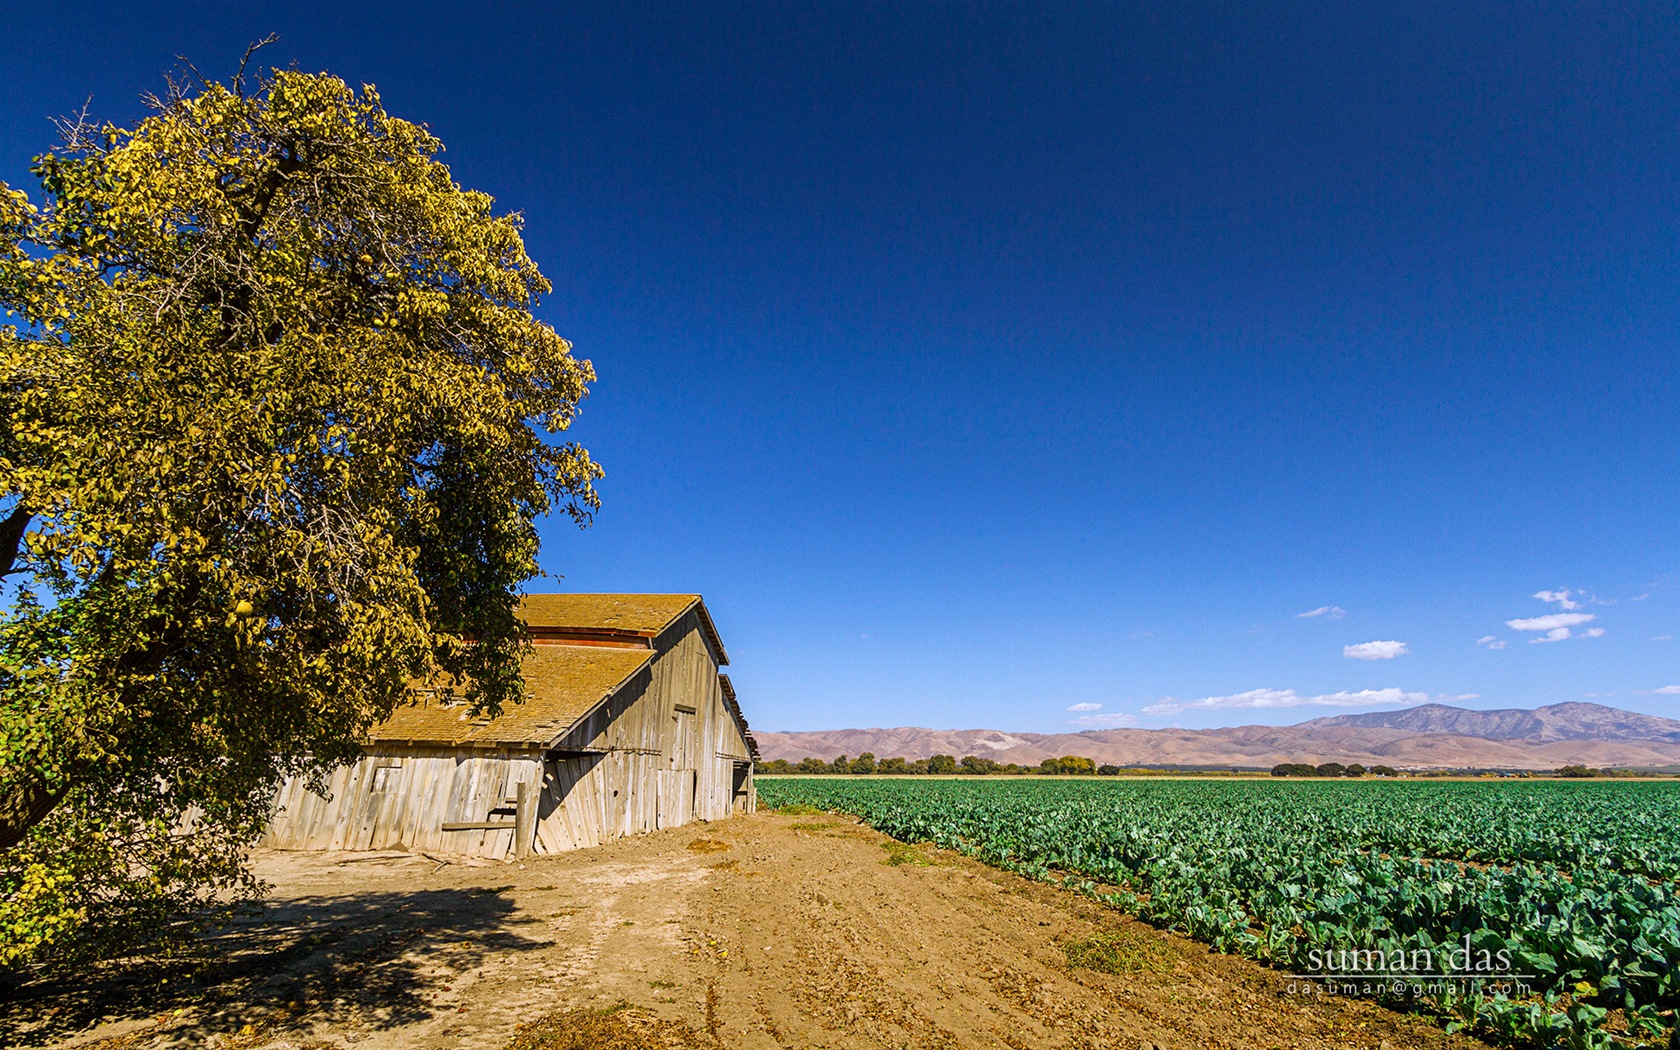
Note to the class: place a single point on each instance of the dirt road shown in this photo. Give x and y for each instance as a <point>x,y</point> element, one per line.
<point>761,932</point>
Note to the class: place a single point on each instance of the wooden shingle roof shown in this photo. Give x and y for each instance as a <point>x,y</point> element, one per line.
<point>563,683</point>
<point>643,616</point>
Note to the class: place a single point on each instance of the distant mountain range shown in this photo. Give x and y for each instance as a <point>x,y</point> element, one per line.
<point>1557,722</point>
<point>1432,736</point>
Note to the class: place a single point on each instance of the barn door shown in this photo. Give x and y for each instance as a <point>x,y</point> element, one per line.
<point>667,813</point>
<point>677,784</point>
<point>738,787</point>
<point>684,740</point>
<point>676,797</point>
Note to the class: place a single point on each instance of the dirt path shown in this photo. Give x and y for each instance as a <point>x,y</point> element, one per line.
<point>762,932</point>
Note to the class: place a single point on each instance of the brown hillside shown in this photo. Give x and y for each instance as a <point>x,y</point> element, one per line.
<point>1563,734</point>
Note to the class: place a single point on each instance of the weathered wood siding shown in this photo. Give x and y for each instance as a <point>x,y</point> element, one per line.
<point>659,753</point>
<point>669,753</point>
<point>400,797</point>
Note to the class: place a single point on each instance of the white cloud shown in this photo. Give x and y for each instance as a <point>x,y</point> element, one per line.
<point>1117,720</point>
<point>1662,638</point>
<point>1557,627</point>
<point>1086,707</point>
<point>1560,597</point>
<point>1375,650</point>
<point>1265,699</point>
<point>1667,690</point>
<point>1329,612</point>
<point>1550,622</point>
<point>1491,641</point>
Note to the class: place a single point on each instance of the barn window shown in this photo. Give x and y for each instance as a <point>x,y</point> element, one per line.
<point>382,776</point>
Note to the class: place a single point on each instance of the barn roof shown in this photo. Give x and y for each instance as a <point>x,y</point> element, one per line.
<point>734,707</point>
<point>634,615</point>
<point>563,683</point>
<point>643,614</point>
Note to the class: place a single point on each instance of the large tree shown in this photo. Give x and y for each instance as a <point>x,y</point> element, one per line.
<point>278,427</point>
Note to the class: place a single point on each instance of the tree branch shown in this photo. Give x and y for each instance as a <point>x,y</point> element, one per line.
<point>25,805</point>
<point>11,538</point>
<point>251,49</point>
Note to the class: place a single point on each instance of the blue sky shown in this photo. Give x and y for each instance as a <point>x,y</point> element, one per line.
<point>981,361</point>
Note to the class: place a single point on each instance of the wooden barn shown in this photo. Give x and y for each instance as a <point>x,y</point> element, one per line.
<point>627,726</point>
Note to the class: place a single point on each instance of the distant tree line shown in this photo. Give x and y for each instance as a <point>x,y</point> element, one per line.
<point>867,764</point>
<point>945,765</point>
<point>1330,769</point>
<point>1336,769</point>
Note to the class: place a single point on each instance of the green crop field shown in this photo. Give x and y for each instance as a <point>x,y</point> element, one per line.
<point>1548,912</point>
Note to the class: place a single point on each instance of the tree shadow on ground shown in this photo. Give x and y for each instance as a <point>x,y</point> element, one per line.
<point>377,958</point>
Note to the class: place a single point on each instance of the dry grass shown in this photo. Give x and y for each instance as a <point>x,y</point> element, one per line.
<point>621,1028</point>
<point>1122,953</point>
<point>918,853</point>
<point>704,845</point>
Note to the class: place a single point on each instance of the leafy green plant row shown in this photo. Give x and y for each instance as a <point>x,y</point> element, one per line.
<point>1569,884</point>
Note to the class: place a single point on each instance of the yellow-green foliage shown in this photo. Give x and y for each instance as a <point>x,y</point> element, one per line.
<point>1069,764</point>
<point>36,912</point>
<point>277,427</point>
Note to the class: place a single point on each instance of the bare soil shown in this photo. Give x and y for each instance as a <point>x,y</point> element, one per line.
<point>767,931</point>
